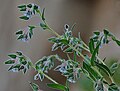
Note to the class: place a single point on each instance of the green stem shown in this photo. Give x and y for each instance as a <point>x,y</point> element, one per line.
<point>67,85</point>
<point>85,48</point>
<point>48,77</point>
<point>50,29</point>
<point>45,75</point>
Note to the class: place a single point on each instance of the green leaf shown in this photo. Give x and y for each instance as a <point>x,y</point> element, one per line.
<point>19,32</point>
<point>23,9</point>
<point>36,7</point>
<point>24,62</point>
<point>117,41</point>
<point>94,53</point>
<point>29,5</point>
<point>12,56</point>
<point>31,28</point>
<point>19,53</point>
<point>30,63</point>
<point>74,56</point>
<point>97,33</point>
<point>34,86</point>
<point>43,14</point>
<point>44,26</point>
<point>24,17</point>
<point>22,6</point>
<point>91,45</point>
<point>64,41</point>
<point>92,73</point>
<point>113,87</point>
<point>88,60</point>
<point>10,61</point>
<point>68,50</point>
<point>113,67</point>
<point>104,68</point>
<point>53,39</point>
<point>17,66</point>
<point>106,32</point>
<point>57,86</point>
<point>20,37</point>
<point>55,46</point>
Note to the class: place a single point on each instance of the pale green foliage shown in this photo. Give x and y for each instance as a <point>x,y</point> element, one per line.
<point>92,66</point>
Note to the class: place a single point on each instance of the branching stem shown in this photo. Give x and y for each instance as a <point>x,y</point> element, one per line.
<point>85,48</point>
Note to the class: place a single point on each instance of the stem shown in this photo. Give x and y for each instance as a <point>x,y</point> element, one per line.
<point>48,77</point>
<point>45,75</point>
<point>67,85</point>
<point>85,48</point>
<point>50,29</point>
<point>85,44</point>
<point>68,56</point>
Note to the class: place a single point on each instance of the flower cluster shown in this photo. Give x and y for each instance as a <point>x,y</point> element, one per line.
<point>69,69</point>
<point>44,64</point>
<point>25,34</point>
<point>65,40</point>
<point>18,62</point>
<point>29,10</point>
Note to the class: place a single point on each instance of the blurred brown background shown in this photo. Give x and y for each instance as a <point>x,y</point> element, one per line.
<point>89,15</point>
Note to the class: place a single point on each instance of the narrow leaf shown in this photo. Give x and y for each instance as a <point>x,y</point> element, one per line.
<point>97,33</point>
<point>91,45</point>
<point>34,86</point>
<point>113,67</point>
<point>104,68</point>
<point>24,17</point>
<point>44,27</point>
<point>10,62</point>
<point>12,56</point>
<point>57,86</point>
<point>21,6</point>
<point>20,37</point>
<point>68,50</point>
<point>106,32</point>
<point>91,72</point>
<point>19,32</point>
<point>64,41</point>
<point>43,14</point>
<point>113,87</point>
<point>94,53</point>
<point>53,40</point>
<point>117,41</point>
